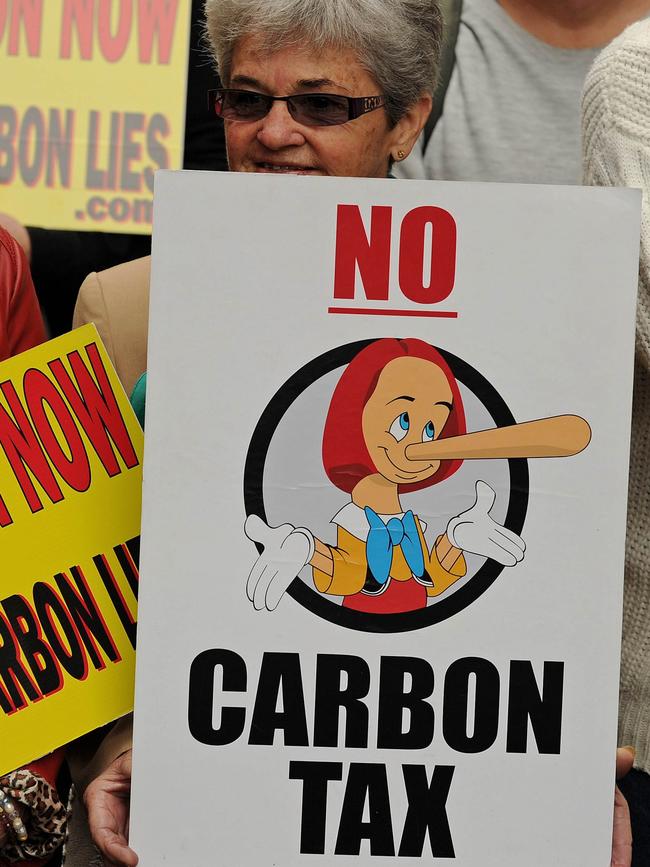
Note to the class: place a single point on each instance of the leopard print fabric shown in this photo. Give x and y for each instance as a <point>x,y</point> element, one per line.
<point>48,816</point>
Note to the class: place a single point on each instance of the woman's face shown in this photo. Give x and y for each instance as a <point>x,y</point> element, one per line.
<point>411,404</point>
<point>279,144</point>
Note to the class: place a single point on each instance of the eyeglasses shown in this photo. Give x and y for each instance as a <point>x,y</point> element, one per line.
<point>309,109</point>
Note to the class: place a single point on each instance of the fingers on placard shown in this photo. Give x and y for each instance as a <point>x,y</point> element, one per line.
<point>119,853</point>
<point>485,496</point>
<point>621,832</point>
<point>624,761</point>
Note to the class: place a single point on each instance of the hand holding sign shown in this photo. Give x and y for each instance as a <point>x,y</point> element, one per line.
<point>475,531</point>
<point>286,550</point>
<point>107,804</point>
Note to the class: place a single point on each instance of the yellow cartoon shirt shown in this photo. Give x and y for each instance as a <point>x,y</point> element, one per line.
<point>351,566</point>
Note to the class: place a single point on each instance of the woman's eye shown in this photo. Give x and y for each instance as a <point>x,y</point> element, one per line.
<point>244,102</point>
<point>428,433</point>
<point>400,427</point>
<point>318,103</point>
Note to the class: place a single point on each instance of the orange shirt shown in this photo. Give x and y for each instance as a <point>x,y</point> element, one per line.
<point>351,567</point>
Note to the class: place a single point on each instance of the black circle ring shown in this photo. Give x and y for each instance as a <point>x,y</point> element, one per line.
<point>319,604</point>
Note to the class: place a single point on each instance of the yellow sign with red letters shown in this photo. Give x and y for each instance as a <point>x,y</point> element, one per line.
<point>70,493</point>
<point>96,105</point>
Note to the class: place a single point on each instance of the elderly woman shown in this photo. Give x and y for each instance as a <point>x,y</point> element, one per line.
<point>342,88</point>
<point>311,87</point>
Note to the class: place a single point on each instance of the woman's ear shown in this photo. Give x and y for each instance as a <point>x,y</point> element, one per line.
<point>409,127</point>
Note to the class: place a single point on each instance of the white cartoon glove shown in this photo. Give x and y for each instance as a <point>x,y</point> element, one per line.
<point>475,531</point>
<point>286,550</point>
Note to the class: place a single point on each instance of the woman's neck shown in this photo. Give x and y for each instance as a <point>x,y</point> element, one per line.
<point>575,23</point>
<point>377,492</point>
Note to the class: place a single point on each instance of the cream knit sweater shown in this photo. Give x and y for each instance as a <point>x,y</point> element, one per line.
<point>616,144</point>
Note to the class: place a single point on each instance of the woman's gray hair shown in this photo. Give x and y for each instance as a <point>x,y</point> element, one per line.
<point>397,41</point>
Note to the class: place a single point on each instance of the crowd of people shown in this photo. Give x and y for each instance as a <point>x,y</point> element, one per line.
<point>522,91</point>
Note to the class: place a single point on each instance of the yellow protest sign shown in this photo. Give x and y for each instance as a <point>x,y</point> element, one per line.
<point>94,103</point>
<point>70,493</point>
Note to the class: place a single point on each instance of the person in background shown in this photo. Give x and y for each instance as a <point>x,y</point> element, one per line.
<point>616,143</point>
<point>32,817</point>
<point>59,260</point>
<point>21,324</point>
<point>512,106</point>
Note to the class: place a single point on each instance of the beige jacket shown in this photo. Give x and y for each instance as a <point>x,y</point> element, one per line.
<point>117,301</point>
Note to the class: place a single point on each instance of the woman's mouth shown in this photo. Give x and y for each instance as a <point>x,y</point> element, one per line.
<point>285,168</point>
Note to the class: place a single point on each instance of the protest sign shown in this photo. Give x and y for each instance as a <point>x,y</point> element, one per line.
<point>384,521</point>
<point>93,104</point>
<point>70,490</point>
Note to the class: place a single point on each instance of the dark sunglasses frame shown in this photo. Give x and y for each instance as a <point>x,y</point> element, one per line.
<point>356,105</point>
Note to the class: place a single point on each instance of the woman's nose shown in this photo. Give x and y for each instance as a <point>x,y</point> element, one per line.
<point>278,129</point>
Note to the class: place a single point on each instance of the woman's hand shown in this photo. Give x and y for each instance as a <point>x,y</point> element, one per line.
<point>622,830</point>
<point>107,802</point>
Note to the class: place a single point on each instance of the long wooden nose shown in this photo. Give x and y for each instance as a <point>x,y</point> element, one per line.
<point>557,437</point>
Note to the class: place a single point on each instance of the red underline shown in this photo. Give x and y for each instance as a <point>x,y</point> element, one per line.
<point>380,311</point>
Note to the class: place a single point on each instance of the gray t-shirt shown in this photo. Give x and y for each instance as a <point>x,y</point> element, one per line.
<point>512,111</point>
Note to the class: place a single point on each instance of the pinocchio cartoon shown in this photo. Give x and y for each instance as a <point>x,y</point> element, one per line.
<point>396,424</point>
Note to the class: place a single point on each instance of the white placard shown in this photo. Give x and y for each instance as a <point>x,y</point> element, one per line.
<point>423,703</point>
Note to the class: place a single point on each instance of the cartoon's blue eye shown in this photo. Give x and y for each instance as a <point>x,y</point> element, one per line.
<point>428,433</point>
<point>400,427</point>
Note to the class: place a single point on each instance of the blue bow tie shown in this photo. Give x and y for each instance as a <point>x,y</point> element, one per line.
<point>382,538</point>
